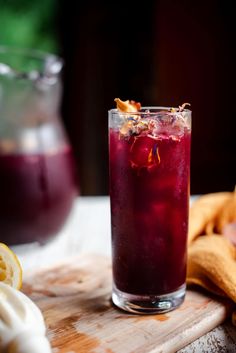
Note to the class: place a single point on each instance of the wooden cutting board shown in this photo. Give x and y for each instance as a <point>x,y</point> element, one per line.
<point>75,300</point>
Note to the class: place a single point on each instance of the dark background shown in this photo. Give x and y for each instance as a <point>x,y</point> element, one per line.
<point>161,52</point>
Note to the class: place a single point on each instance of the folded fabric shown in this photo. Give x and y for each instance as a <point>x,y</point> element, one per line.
<point>212,265</point>
<point>211,256</point>
<point>204,210</point>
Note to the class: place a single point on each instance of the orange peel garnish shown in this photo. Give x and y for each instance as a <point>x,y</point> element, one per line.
<point>128,106</point>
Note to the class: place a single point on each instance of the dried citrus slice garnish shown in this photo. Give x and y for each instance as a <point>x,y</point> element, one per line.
<point>131,120</point>
<point>10,267</point>
<point>128,106</point>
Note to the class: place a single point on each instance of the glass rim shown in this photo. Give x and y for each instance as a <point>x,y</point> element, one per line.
<point>152,110</point>
<point>52,63</point>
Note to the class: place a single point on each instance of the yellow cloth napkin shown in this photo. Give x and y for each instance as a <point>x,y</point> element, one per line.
<point>212,257</point>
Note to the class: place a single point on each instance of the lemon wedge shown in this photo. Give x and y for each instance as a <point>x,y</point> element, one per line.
<point>10,267</point>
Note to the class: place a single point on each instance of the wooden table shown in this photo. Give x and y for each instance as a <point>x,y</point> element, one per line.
<point>88,231</point>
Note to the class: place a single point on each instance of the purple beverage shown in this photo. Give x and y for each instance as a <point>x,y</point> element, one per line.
<point>37,192</point>
<point>149,190</point>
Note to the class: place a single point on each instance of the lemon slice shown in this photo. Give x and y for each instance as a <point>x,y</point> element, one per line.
<point>10,267</point>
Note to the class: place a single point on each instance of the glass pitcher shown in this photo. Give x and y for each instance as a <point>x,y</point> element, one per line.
<point>37,172</point>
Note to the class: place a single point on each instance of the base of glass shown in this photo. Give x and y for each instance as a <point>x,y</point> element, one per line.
<point>148,304</point>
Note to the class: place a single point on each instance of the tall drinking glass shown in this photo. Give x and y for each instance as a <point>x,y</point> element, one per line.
<point>37,170</point>
<point>149,193</point>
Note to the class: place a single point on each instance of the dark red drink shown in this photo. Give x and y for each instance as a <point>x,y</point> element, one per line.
<point>36,195</point>
<point>149,189</point>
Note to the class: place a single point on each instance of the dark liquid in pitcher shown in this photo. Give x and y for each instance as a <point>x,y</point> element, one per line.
<point>36,195</point>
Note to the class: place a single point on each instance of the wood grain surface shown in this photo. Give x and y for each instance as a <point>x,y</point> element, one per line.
<point>74,297</point>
